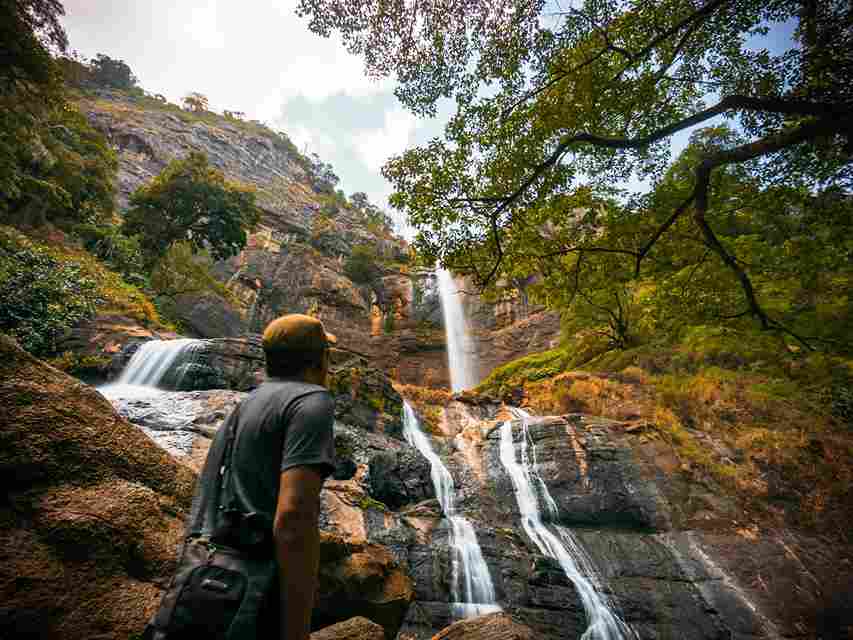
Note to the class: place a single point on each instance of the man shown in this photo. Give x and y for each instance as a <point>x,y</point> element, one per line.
<point>282,452</point>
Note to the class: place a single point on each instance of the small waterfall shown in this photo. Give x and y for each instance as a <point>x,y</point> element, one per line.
<point>150,365</point>
<point>461,351</point>
<point>473,592</point>
<point>557,542</point>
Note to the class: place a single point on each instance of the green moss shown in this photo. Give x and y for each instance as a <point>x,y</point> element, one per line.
<point>365,502</point>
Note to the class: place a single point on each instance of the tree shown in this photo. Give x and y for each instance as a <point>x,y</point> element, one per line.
<point>195,102</point>
<point>110,72</point>
<point>184,271</point>
<point>583,98</point>
<point>192,201</point>
<point>30,85</point>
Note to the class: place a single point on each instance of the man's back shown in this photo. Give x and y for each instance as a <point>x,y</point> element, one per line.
<point>280,425</point>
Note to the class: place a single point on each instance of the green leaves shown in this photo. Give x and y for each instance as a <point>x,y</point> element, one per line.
<point>193,202</point>
<point>41,298</point>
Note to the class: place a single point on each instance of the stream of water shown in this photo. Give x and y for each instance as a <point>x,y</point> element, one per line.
<point>554,541</point>
<point>149,366</point>
<point>461,351</point>
<point>473,592</point>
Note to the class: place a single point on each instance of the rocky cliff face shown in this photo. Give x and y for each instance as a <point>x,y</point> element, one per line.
<point>294,262</point>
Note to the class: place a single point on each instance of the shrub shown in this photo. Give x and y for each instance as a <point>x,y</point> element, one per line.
<point>118,250</point>
<point>362,265</point>
<point>41,297</point>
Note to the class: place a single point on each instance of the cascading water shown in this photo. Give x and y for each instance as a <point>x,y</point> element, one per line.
<point>461,353</point>
<point>473,592</point>
<point>150,365</point>
<point>137,395</point>
<point>555,541</point>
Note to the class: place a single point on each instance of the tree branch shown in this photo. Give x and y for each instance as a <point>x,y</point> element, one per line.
<point>743,153</point>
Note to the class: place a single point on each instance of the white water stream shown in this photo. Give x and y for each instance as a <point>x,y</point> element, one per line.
<point>554,541</point>
<point>148,366</point>
<point>473,592</point>
<point>461,351</point>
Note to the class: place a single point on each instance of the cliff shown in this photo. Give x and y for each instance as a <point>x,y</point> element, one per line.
<point>297,259</point>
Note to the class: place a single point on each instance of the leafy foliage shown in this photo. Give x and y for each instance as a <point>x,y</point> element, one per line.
<point>582,98</point>
<point>109,72</point>
<point>183,271</point>
<point>30,85</point>
<point>362,265</point>
<point>41,298</point>
<point>194,202</point>
<point>53,165</point>
<point>108,243</point>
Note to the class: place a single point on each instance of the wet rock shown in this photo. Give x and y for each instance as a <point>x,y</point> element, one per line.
<point>400,477</point>
<point>93,510</point>
<point>208,316</point>
<point>365,397</point>
<point>353,629</point>
<point>360,579</point>
<point>495,626</point>
<point>593,479</point>
<point>173,419</point>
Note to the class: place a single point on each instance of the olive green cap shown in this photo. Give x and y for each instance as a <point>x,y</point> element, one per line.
<point>296,332</point>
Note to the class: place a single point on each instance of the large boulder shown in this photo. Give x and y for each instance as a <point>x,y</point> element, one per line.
<point>360,579</point>
<point>400,477</point>
<point>495,626</point>
<point>93,512</point>
<point>353,629</point>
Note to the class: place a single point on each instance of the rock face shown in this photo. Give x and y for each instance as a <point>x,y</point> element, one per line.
<point>495,626</point>
<point>668,568</point>
<point>296,260</point>
<point>360,579</point>
<point>93,510</point>
<point>353,629</point>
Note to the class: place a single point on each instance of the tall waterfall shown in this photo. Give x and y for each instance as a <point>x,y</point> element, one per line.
<point>473,592</point>
<point>461,352</point>
<point>555,541</point>
<point>151,363</point>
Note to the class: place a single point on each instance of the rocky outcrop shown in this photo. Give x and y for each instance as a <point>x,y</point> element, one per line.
<point>359,578</point>
<point>495,626</point>
<point>93,510</point>
<point>353,629</point>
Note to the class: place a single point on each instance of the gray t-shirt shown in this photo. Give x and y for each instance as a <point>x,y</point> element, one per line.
<point>280,425</point>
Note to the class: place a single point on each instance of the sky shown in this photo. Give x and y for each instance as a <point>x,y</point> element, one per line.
<point>258,57</point>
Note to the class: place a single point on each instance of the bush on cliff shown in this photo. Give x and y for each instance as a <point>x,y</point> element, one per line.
<point>41,297</point>
<point>48,286</point>
<point>362,266</point>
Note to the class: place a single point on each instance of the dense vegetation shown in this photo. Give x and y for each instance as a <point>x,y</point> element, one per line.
<point>557,107</point>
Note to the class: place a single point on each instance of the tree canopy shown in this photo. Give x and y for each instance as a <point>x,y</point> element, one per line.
<point>557,106</point>
<point>111,72</point>
<point>192,201</point>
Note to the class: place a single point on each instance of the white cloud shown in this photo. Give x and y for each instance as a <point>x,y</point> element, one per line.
<point>377,145</point>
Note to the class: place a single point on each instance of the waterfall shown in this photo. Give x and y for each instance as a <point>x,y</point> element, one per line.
<point>557,542</point>
<point>470,571</point>
<point>150,365</point>
<point>461,352</point>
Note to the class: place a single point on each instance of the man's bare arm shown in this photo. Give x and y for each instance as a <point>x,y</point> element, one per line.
<point>297,542</point>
